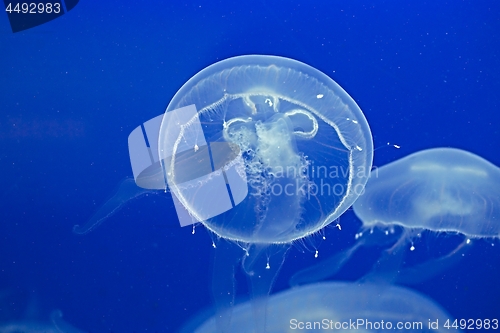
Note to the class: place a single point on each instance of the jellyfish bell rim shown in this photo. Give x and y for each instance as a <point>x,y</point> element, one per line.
<point>296,67</point>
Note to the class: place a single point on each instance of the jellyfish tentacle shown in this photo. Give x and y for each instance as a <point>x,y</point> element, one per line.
<point>226,257</point>
<point>127,190</point>
<point>325,269</point>
<point>427,270</point>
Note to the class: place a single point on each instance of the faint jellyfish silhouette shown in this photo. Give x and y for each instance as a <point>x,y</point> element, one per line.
<point>437,191</point>
<point>12,304</point>
<point>56,325</point>
<point>306,150</point>
<point>343,307</point>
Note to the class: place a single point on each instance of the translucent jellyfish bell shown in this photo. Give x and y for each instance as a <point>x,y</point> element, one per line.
<point>305,145</point>
<point>343,307</point>
<point>441,189</point>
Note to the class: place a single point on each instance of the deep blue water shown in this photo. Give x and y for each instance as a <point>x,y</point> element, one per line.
<point>426,74</point>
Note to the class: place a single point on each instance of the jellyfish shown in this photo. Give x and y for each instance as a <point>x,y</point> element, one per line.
<point>440,189</point>
<point>301,147</point>
<point>344,306</point>
<point>263,151</point>
<point>436,191</point>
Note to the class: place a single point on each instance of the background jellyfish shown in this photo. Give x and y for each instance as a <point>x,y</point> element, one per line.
<point>343,306</point>
<point>307,152</point>
<point>441,190</point>
<point>56,325</point>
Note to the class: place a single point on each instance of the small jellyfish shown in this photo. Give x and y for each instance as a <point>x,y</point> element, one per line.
<point>441,189</point>
<point>434,191</point>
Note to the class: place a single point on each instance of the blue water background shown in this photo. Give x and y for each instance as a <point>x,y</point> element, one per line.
<point>425,73</point>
